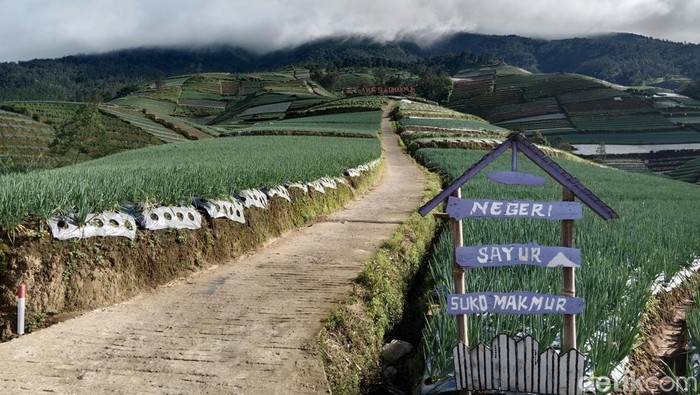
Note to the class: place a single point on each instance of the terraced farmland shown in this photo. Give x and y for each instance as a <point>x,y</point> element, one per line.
<point>138,102</point>
<point>203,83</point>
<point>514,111</point>
<point>688,172</point>
<point>668,137</point>
<point>263,106</point>
<point>139,120</point>
<point>52,113</point>
<point>465,88</point>
<point>24,143</point>
<point>358,124</point>
<point>351,104</point>
<point>418,109</point>
<point>118,134</point>
<point>616,105</point>
<point>593,94</point>
<point>579,110</point>
<point>621,122</point>
<point>450,123</point>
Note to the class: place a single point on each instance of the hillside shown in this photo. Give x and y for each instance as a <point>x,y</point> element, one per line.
<point>179,108</point>
<point>612,57</point>
<point>642,129</point>
<point>576,108</point>
<point>44,134</point>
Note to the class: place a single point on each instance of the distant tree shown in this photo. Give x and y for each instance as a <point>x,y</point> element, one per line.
<point>436,87</point>
<point>125,90</point>
<point>380,75</point>
<point>560,143</point>
<point>82,134</point>
<point>601,151</point>
<point>160,80</point>
<point>539,139</point>
<point>692,90</point>
<point>395,80</point>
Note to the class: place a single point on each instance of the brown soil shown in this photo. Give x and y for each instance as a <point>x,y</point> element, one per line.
<point>663,340</point>
<point>245,326</point>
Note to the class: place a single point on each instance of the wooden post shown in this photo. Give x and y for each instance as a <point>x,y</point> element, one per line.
<point>458,274</point>
<point>568,278</point>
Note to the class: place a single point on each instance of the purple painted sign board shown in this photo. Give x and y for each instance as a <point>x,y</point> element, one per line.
<point>462,208</point>
<point>516,178</point>
<point>518,302</point>
<point>518,254</point>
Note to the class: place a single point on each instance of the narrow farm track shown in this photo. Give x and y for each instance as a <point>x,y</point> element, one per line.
<point>241,328</point>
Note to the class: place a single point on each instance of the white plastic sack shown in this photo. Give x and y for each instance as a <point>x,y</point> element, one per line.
<point>254,198</point>
<point>279,191</point>
<point>222,209</point>
<point>354,172</point>
<point>156,218</point>
<point>328,183</point>
<point>316,185</point>
<point>103,224</point>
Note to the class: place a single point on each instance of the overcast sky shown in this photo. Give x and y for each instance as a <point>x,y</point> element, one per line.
<point>53,28</point>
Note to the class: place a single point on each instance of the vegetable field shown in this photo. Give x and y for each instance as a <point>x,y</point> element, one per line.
<point>24,142</point>
<point>689,172</point>
<point>652,241</point>
<point>588,110</point>
<point>177,173</point>
<point>356,124</point>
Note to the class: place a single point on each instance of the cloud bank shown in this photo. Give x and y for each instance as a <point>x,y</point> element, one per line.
<point>44,28</point>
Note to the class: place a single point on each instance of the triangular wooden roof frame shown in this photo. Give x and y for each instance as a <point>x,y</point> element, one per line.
<point>518,142</point>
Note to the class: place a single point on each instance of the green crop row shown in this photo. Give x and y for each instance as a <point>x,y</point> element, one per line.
<point>138,102</point>
<point>408,108</point>
<point>139,121</point>
<point>689,172</point>
<point>606,122</point>
<point>356,124</point>
<point>673,136</point>
<point>621,258</point>
<point>452,123</point>
<point>176,173</point>
<point>369,102</point>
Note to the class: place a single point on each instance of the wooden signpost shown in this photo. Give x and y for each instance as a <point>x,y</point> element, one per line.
<point>518,254</point>
<point>478,208</point>
<point>565,368</point>
<point>517,302</point>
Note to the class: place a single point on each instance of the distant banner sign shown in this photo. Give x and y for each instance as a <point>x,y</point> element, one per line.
<point>380,90</point>
<point>518,254</point>
<point>518,302</point>
<point>462,208</point>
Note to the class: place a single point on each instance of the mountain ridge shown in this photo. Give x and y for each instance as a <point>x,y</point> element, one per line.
<point>612,57</point>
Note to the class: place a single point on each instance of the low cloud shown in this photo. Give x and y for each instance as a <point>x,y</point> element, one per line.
<point>44,28</point>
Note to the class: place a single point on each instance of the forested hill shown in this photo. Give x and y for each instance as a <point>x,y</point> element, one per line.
<point>80,77</point>
<point>626,59</point>
<point>621,58</point>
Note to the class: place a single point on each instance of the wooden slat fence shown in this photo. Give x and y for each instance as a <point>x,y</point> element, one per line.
<point>518,366</point>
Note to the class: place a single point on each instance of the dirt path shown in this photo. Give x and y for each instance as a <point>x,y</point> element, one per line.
<point>243,327</point>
